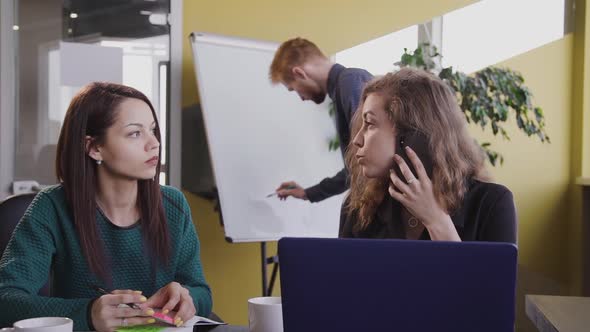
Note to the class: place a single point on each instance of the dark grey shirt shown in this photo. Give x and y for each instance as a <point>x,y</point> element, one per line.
<point>345,86</point>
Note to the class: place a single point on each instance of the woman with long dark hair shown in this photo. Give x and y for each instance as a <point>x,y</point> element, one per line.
<point>108,225</point>
<point>441,193</point>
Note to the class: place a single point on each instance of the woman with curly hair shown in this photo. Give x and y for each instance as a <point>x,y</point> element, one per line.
<point>415,171</point>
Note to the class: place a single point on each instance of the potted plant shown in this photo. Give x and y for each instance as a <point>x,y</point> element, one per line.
<point>486,97</point>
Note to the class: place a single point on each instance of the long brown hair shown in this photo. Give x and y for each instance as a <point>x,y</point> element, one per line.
<point>418,100</point>
<point>91,112</point>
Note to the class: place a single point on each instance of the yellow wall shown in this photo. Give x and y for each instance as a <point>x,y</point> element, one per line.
<point>578,92</point>
<point>333,24</point>
<point>538,174</point>
<point>582,91</point>
<point>580,135</point>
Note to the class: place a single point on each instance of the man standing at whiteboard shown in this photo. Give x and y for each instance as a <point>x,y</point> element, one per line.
<point>300,66</point>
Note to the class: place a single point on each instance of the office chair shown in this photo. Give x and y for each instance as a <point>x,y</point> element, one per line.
<point>12,210</point>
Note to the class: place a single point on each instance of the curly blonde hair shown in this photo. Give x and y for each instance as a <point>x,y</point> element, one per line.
<point>416,99</point>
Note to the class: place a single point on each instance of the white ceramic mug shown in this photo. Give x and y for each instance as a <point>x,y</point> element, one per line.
<point>265,314</point>
<point>42,324</point>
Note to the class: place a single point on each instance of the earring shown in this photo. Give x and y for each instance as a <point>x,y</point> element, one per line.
<point>98,162</point>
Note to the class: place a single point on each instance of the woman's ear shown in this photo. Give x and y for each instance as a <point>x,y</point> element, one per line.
<point>92,149</point>
<point>299,73</point>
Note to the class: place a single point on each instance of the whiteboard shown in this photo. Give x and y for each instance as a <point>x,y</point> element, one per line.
<point>260,135</point>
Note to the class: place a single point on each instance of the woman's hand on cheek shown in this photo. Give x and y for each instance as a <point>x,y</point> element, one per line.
<point>416,192</point>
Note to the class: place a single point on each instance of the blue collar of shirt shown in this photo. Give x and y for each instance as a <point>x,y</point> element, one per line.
<point>333,79</point>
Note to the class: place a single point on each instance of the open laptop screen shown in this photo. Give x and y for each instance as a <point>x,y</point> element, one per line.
<point>397,285</point>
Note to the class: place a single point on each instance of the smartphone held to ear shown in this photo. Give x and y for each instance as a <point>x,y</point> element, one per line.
<point>418,142</point>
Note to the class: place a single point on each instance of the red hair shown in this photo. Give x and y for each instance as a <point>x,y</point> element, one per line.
<point>293,52</point>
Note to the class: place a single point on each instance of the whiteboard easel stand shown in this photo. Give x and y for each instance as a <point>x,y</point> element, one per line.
<point>264,261</point>
<point>267,291</point>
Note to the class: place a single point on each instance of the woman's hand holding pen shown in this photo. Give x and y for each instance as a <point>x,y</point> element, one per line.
<point>173,297</point>
<point>111,310</point>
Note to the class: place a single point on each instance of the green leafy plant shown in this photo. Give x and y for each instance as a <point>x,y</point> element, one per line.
<point>486,97</point>
<point>334,142</point>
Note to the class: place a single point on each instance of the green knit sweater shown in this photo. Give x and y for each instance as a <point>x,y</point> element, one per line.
<point>45,240</point>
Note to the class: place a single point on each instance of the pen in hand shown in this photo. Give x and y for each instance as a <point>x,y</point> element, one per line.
<point>105,292</point>
<point>287,188</point>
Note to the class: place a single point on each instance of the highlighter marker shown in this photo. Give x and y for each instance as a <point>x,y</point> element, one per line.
<point>160,317</point>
